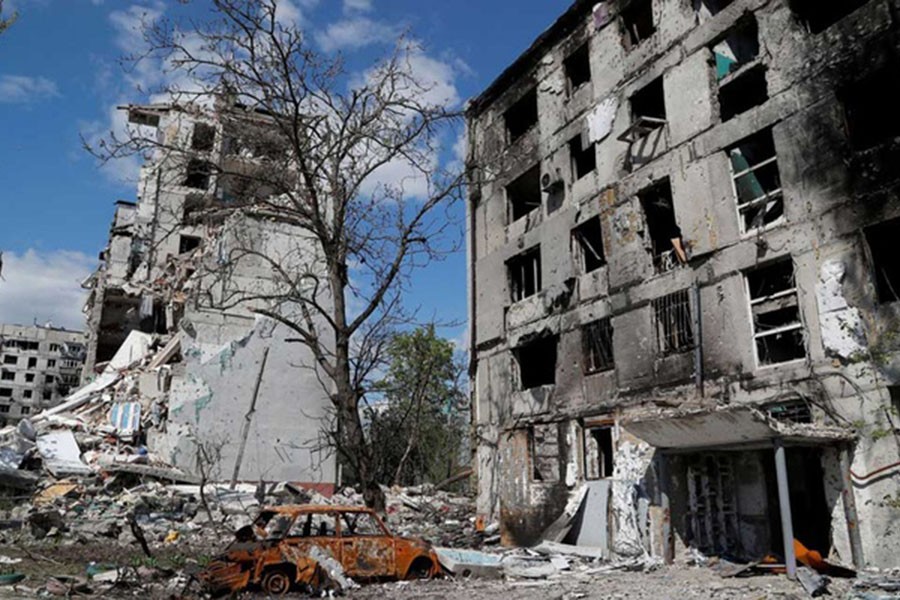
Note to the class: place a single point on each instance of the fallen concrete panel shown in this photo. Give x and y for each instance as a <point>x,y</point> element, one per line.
<point>593,530</point>
<point>470,563</point>
<point>166,473</point>
<point>555,548</point>
<point>61,454</point>
<point>559,528</point>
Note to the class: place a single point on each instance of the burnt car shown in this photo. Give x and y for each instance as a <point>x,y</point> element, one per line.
<point>289,547</point>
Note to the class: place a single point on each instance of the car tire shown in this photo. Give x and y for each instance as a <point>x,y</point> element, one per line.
<point>277,582</point>
<point>420,569</point>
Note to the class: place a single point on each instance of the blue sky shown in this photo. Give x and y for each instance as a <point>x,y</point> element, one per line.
<point>60,78</point>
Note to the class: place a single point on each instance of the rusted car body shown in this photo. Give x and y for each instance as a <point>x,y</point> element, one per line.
<point>278,552</point>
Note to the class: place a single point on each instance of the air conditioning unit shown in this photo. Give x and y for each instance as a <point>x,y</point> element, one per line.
<point>549,183</point>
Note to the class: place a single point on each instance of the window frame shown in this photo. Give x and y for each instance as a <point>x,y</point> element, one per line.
<point>590,366</point>
<point>776,194</point>
<point>751,302</point>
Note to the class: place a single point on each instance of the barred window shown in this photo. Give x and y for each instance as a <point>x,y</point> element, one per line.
<point>596,341</point>
<point>674,327</point>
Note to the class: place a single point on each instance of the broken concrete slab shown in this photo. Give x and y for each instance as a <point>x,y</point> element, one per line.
<point>61,454</point>
<point>470,563</point>
<point>557,549</point>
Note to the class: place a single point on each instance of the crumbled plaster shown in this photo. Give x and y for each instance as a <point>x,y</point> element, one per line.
<point>841,324</point>
<point>601,119</point>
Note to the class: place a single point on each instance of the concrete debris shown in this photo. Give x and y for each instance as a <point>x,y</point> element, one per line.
<point>812,582</point>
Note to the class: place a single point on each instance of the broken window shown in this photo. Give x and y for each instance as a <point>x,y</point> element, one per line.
<point>757,183</point>
<point>8,376</point>
<point>47,395</point>
<point>637,23</point>
<point>523,195</point>
<point>4,408</point>
<point>51,363</point>
<point>48,379</point>
<point>870,109</point>
<point>543,447</point>
<point>742,92</point>
<point>313,525</point>
<point>54,347</point>
<point>6,392</point>
<point>793,411</point>
<point>597,346</point>
<point>522,115</point>
<point>525,274</point>
<point>739,48</point>
<point>584,157</point>
<point>775,308</point>
<point>666,245</point>
<point>203,138</point>
<point>578,67</point>
<point>537,362</point>
<point>198,174</point>
<point>648,111</point>
<point>25,410</point>
<point>819,15</point>
<point>26,394</point>
<point>364,524</point>
<point>32,362</point>
<point>9,359</point>
<point>598,453</point>
<point>587,245</point>
<point>29,377</point>
<point>882,240</point>
<point>186,243</point>
<point>673,323</point>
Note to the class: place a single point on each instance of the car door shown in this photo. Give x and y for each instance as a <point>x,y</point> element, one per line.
<point>367,548</point>
<point>314,528</point>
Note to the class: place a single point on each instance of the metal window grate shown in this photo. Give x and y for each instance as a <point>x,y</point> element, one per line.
<point>674,326</point>
<point>597,345</point>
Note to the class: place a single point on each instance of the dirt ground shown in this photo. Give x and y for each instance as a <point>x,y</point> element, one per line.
<point>674,582</point>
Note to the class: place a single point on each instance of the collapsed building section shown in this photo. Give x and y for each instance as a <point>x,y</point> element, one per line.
<point>191,264</point>
<point>686,335</point>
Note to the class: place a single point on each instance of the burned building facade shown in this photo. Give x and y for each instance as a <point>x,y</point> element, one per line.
<point>190,264</point>
<point>39,365</point>
<point>684,306</point>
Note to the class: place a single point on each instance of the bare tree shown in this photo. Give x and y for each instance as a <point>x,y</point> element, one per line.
<point>5,22</point>
<point>314,143</point>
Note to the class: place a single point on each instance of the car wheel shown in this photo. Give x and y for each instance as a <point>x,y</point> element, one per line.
<point>276,582</point>
<point>420,569</point>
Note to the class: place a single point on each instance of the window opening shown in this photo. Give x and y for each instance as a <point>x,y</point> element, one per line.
<point>32,362</point>
<point>9,359</point>
<point>666,244</point>
<point>361,524</point>
<point>29,377</point>
<point>6,392</point>
<point>522,115</point>
<point>819,15</point>
<point>587,245</point>
<point>198,174</point>
<point>525,274</point>
<point>870,109</point>
<point>793,411</point>
<point>882,240</point>
<point>598,453</point>
<point>757,182</point>
<point>543,446</point>
<point>597,346</point>
<point>8,376</point>
<point>186,243</point>
<point>203,137</point>
<point>648,111</point>
<point>584,157</point>
<point>674,326</point>
<point>739,48</point>
<point>537,362</point>
<point>4,408</point>
<point>747,89</point>
<point>523,195</point>
<point>775,309</point>
<point>637,21</point>
<point>25,410</point>
<point>578,67</point>
<point>26,394</point>
<point>51,363</point>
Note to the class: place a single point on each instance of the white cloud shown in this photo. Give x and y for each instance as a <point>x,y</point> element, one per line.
<point>125,169</point>
<point>356,32</point>
<point>44,286</point>
<point>22,89</point>
<point>357,6</point>
<point>290,13</point>
<point>129,25</point>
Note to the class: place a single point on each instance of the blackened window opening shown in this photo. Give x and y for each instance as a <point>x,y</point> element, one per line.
<point>637,21</point>
<point>584,157</point>
<point>674,326</point>
<point>870,108</point>
<point>525,274</point>
<point>742,93</point>
<point>522,115</point>
<point>665,235</point>
<point>597,346</point>
<point>739,47</point>
<point>198,174</point>
<point>587,241</point>
<point>649,101</point>
<point>537,362</point>
<point>819,15</point>
<point>523,195</point>
<point>598,453</point>
<point>882,240</point>
<point>203,137</point>
<point>775,308</point>
<point>757,181</point>
<point>186,243</point>
<point>578,67</point>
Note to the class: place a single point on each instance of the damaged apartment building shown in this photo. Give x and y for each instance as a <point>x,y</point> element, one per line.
<point>179,267</point>
<point>683,294</point>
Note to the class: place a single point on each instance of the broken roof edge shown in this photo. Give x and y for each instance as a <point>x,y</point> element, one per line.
<point>698,428</point>
<point>563,26</point>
